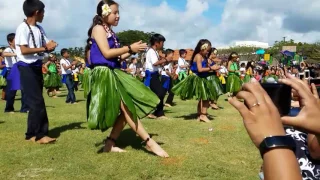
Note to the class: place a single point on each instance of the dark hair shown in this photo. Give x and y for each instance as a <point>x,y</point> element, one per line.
<point>10,37</point>
<point>98,20</point>
<point>211,51</point>
<point>249,64</point>
<point>232,54</point>
<point>242,64</point>
<point>63,51</point>
<point>198,48</point>
<point>182,51</point>
<point>156,38</point>
<point>168,51</point>
<point>133,58</point>
<point>31,6</point>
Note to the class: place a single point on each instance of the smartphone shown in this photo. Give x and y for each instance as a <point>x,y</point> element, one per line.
<point>280,95</point>
<point>306,74</point>
<point>301,76</point>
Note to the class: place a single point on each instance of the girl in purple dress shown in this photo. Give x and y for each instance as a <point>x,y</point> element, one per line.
<point>115,97</point>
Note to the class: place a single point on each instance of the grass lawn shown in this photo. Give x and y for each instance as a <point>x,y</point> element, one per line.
<point>195,152</point>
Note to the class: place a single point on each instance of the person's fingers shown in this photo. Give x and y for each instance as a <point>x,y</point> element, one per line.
<point>253,87</point>
<point>291,121</point>
<point>314,91</point>
<point>249,100</point>
<point>296,86</point>
<point>243,110</point>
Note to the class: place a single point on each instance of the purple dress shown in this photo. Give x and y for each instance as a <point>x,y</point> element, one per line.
<point>97,58</point>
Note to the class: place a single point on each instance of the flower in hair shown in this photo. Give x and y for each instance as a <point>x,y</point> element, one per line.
<point>106,10</point>
<point>204,46</point>
<point>215,52</point>
<point>234,55</point>
<point>90,42</point>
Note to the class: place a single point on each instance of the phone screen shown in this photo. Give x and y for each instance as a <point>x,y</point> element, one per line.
<point>280,95</point>
<point>307,74</point>
<point>301,76</point>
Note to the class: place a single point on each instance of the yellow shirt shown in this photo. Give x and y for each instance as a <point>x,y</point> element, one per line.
<point>75,77</point>
<point>222,79</point>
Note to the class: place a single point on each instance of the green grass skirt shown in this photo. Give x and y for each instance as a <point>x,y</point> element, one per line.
<point>233,83</point>
<point>111,86</point>
<point>3,82</point>
<point>215,81</point>
<point>195,86</point>
<point>80,77</point>
<point>52,80</point>
<point>247,78</point>
<point>86,82</point>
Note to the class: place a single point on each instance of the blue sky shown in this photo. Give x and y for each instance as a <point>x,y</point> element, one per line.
<point>243,20</point>
<point>214,12</point>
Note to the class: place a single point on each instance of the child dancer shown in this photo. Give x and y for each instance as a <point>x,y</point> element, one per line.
<point>213,78</point>
<point>153,65</point>
<point>31,44</point>
<point>197,84</point>
<point>183,65</point>
<point>52,80</point>
<point>10,58</point>
<point>249,72</point>
<point>166,77</point>
<point>233,81</point>
<point>116,98</point>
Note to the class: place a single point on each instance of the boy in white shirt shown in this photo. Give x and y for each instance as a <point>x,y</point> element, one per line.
<point>183,65</point>
<point>31,44</point>
<point>66,69</point>
<point>153,65</point>
<point>166,78</point>
<point>10,58</point>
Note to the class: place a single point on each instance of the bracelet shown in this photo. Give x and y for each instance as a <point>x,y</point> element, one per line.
<point>130,50</point>
<point>46,49</point>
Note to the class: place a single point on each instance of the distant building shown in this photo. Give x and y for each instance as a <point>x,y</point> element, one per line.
<point>256,44</point>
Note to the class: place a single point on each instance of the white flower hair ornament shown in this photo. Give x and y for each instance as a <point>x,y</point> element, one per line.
<point>215,51</point>
<point>106,10</point>
<point>204,46</point>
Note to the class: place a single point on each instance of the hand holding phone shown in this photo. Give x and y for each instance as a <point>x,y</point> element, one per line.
<point>308,117</point>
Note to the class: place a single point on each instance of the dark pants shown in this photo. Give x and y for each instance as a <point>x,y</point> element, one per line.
<point>156,87</point>
<point>76,83</point>
<point>10,96</point>
<point>32,85</point>
<point>71,98</point>
<point>171,95</point>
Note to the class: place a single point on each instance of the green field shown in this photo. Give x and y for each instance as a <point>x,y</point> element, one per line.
<point>195,152</point>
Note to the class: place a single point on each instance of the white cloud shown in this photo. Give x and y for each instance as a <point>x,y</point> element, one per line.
<point>68,21</point>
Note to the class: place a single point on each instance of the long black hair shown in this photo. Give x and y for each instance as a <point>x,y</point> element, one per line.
<point>98,20</point>
<point>249,64</point>
<point>198,48</point>
<point>232,55</point>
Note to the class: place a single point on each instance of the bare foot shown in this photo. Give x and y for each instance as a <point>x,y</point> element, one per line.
<point>109,147</point>
<point>46,140</point>
<point>58,92</point>
<point>167,105</point>
<point>203,118</point>
<point>33,139</point>
<point>162,117</point>
<point>151,116</point>
<point>214,106</point>
<point>156,149</point>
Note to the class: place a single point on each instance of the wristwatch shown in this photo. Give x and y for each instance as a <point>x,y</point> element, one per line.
<point>273,142</point>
